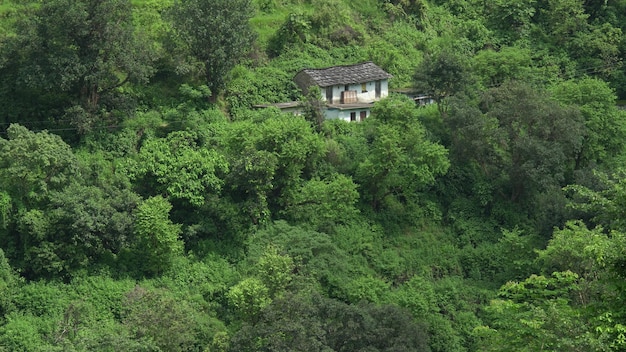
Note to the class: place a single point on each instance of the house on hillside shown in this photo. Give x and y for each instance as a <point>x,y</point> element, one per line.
<point>349,91</point>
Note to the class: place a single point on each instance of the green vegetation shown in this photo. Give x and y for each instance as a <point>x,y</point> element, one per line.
<point>145,205</point>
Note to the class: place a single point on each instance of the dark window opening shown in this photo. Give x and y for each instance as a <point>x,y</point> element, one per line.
<point>329,94</point>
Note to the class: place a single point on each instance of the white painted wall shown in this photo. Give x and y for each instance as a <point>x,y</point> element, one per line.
<point>331,114</point>
<point>362,97</point>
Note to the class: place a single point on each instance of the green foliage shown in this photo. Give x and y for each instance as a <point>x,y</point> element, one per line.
<point>295,30</point>
<point>9,284</point>
<point>249,297</point>
<point>441,75</point>
<point>248,87</point>
<point>531,151</point>
<point>181,168</point>
<point>396,51</point>
<point>20,333</point>
<point>585,252</point>
<point>605,206</point>
<point>333,24</point>
<point>32,164</point>
<point>156,318</point>
<point>401,159</point>
<point>317,260</point>
<point>375,215</point>
<point>605,123</point>
<point>86,225</point>
<point>216,33</point>
<point>157,236</point>
<point>323,204</point>
<point>5,209</point>
<point>79,52</point>
<point>316,323</point>
<point>514,19</point>
<point>509,63</point>
<point>269,161</point>
<point>275,270</point>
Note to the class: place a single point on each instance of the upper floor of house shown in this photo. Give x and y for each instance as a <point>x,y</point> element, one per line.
<point>349,84</point>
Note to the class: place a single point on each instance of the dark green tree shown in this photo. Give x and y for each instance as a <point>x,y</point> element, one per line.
<point>33,164</point>
<point>216,33</point>
<point>157,236</point>
<point>71,55</point>
<point>441,75</point>
<point>519,139</point>
<point>401,159</point>
<point>605,124</point>
<point>317,323</point>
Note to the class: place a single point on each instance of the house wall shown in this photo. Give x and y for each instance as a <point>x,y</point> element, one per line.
<point>362,97</point>
<point>344,115</point>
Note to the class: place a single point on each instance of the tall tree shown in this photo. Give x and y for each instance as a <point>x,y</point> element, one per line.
<point>520,140</point>
<point>401,160</point>
<point>216,33</point>
<point>71,54</point>
<point>441,75</point>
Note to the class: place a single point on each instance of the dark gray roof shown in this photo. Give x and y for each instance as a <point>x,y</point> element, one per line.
<point>338,75</point>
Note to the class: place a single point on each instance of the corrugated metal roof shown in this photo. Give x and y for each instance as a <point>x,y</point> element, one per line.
<point>338,75</point>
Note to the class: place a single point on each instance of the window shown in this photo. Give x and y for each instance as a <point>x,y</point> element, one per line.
<point>363,115</point>
<point>363,87</point>
<point>329,94</point>
<point>353,116</point>
<point>346,87</point>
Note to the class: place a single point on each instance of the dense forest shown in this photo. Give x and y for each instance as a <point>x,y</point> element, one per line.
<point>146,205</point>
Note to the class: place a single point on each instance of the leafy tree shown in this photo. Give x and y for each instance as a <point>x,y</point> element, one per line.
<point>295,30</point>
<point>313,108</point>
<point>157,236</point>
<point>154,316</point>
<point>334,25</point>
<point>249,297</point>
<point>520,138</point>
<point>441,75</point>
<point>508,63</point>
<point>80,228</point>
<point>316,323</point>
<point>512,18</point>
<point>323,204</point>
<point>401,159</point>
<point>573,308</point>
<point>269,161</point>
<point>73,54</point>
<point>32,167</point>
<point>317,260</point>
<point>180,168</point>
<point>9,283</point>
<point>216,33</point>
<point>32,164</point>
<point>566,26</point>
<point>604,205</point>
<point>605,124</point>
<point>275,270</point>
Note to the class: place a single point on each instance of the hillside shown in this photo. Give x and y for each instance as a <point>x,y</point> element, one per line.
<point>146,205</point>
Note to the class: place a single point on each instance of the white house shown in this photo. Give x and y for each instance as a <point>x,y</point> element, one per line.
<point>348,91</point>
